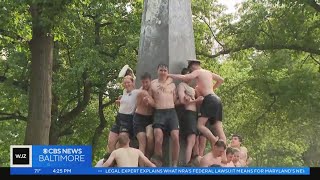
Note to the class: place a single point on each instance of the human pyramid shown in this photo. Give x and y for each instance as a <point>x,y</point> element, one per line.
<point>149,114</point>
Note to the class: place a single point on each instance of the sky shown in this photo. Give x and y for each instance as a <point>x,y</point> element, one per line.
<point>230,4</point>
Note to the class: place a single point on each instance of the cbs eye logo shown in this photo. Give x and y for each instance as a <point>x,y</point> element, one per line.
<point>20,156</point>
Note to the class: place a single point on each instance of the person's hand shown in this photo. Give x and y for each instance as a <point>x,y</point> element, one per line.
<point>145,100</point>
<point>200,98</point>
<point>187,99</point>
<point>117,102</point>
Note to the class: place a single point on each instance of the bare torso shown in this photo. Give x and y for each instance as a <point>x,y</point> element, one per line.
<point>143,108</point>
<point>127,157</point>
<point>204,82</point>
<point>209,159</point>
<point>164,97</point>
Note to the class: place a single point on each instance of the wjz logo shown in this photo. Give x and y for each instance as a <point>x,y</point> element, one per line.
<point>20,156</point>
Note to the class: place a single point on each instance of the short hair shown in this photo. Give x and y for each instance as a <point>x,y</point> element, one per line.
<point>229,150</point>
<point>235,150</point>
<point>146,75</point>
<point>163,65</point>
<point>215,165</point>
<point>192,63</point>
<point>238,136</point>
<point>220,143</point>
<point>123,139</point>
<point>185,71</point>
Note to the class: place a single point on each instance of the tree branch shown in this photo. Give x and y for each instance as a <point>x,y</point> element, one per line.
<point>115,53</point>
<point>111,23</point>
<point>212,33</point>
<point>268,109</point>
<point>315,60</point>
<point>12,116</point>
<point>65,132</point>
<point>81,104</point>
<point>314,5</point>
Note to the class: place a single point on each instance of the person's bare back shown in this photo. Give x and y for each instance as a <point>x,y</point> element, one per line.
<point>204,81</point>
<point>127,157</point>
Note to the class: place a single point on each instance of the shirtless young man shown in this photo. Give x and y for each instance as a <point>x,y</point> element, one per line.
<point>165,116</point>
<point>126,156</point>
<point>142,119</point>
<point>187,97</point>
<point>236,142</point>
<point>229,154</point>
<point>214,156</point>
<point>211,107</point>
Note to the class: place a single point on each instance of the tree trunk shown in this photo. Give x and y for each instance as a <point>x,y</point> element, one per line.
<point>39,117</point>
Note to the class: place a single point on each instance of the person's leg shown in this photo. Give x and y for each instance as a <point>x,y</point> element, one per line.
<point>191,139</point>
<point>158,134</point>
<point>112,141</point>
<point>202,145</point>
<point>218,128</point>
<point>195,149</point>
<point>205,131</point>
<point>150,141</point>
<point>142,140</point>
<point>174,134</point>
<point>141,136</point>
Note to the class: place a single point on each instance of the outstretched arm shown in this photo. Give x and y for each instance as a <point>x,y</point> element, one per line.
<point>185,77</point>
<point>145,160</point>
<point>110,160</point>
<point>219,80</point>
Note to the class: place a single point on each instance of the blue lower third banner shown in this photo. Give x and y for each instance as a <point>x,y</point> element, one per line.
<point>163,171</point>
<point>41,156</point>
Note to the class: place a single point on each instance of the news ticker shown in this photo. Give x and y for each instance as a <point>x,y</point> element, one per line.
<point>161,171</point>
<point>77,160</point>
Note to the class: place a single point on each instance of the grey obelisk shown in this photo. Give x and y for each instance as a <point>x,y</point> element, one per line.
<point>166,37</point>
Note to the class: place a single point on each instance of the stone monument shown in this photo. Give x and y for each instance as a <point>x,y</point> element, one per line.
<point>166,37</point>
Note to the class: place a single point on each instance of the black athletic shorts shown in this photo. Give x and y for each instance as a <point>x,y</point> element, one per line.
<point>140,122</point>
<point>211,108</point>
<point>166,119</point>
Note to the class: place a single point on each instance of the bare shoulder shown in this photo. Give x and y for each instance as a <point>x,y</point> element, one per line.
<point>143,92</point>
<point>173,85</point>
<point>137,151</point>
<point>206,71</point>
<point>244,149</point>
<point>154,81</point>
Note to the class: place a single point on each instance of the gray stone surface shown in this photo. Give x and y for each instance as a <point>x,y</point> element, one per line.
<point>166,37</point>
